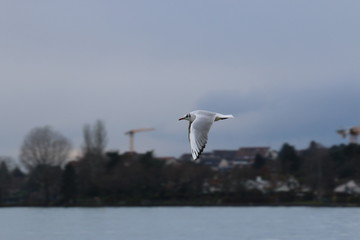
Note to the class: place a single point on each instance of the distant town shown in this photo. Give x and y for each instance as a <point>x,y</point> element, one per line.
<point>249,175</point>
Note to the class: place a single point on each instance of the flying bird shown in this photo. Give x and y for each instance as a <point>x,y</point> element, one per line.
<point>200,122</point>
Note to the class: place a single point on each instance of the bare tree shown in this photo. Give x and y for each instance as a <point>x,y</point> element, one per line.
<point>5,177</point>
<point>100,136</point>
<point>43,152</point>
<point>44,146</point>
<point>95,139</point>
<point>88,140</point>
<point>91,165</point>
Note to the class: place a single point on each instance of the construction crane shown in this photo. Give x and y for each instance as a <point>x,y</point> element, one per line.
<point>131,134</point>
<point>353,132</point>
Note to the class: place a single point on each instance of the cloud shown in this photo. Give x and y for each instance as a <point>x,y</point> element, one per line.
<point>296,115</point>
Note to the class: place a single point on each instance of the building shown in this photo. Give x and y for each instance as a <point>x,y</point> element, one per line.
<point>350,187</point>
<point>242,157</point>
<point>248,154</point>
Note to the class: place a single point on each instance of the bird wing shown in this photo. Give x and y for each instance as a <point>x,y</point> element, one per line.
<point>198,134</point>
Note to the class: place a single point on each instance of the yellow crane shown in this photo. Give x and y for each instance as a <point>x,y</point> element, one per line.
<point>353,132</point>
<point>131,134</point>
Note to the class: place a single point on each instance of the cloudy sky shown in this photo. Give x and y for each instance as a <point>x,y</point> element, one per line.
<point>288,70</point>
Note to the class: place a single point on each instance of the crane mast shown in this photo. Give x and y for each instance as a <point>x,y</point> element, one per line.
<point>131,134</point>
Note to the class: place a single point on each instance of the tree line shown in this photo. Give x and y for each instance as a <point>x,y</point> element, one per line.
<point>100,178</point>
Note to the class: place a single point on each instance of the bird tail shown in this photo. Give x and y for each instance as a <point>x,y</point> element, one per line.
<point>223,117</point>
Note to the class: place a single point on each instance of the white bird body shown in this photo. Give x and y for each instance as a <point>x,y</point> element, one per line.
<point>200,122</point>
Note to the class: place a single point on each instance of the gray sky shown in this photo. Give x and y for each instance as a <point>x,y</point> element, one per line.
<point>288,70</point>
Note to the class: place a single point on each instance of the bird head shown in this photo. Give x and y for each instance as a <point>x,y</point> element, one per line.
<point>186,117</point>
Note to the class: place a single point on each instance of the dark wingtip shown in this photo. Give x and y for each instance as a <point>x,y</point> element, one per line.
<point>200,152</point>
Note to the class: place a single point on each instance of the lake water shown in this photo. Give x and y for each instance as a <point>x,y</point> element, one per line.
<point>175,223</point>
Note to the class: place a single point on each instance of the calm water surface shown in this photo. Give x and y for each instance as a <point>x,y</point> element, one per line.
<point>167,223</point>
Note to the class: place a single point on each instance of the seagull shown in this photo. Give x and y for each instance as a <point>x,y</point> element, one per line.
<point>200,122</point>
